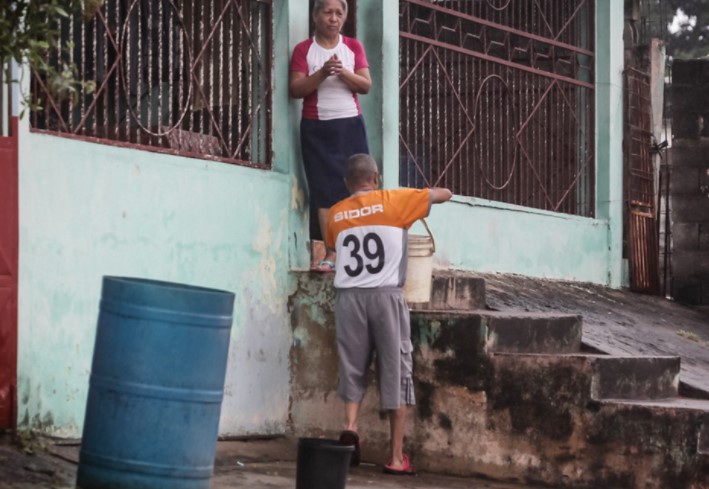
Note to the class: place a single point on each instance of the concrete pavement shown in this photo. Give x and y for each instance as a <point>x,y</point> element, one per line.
<point>255,464</point>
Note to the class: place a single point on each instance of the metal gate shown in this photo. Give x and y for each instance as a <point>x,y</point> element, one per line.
<point>640,223</point>
<point>496,100</point>
<point>188,78</point>
<point>8,257</point>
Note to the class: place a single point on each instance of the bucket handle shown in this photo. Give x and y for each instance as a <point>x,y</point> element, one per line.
<point>428,230</point>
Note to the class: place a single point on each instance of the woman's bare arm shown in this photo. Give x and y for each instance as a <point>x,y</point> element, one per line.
<point>359,82</point>
<point>301,85</point>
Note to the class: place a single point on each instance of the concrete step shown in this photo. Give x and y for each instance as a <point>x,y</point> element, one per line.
<point>531,332</point>
<point>654,377</point>
<point>675,413</point>
<point>483,407</point>
<point>493,414</point>
<point>454,291</point>
<point>594,377</point>
<point>501,332</point>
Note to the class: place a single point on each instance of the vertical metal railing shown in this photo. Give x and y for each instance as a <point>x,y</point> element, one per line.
<point>191,78</point>
<point>640,223</point>
<point>496,100</point>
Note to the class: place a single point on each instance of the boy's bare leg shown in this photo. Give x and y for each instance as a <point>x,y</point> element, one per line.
<point>351,415</point>
<point>397,425</point>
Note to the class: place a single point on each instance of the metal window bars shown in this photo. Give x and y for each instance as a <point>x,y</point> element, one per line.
<point>496,100</point>
<point>190,78</point>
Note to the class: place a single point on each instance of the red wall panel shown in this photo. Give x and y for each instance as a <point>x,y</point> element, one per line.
<point>9,242</point>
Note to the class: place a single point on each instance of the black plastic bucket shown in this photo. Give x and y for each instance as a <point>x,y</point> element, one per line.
<point>322,464</point>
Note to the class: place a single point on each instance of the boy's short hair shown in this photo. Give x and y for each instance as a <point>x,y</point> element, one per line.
<point>360,168</point>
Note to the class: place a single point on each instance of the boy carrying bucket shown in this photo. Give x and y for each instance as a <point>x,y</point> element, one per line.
<point>369,232</point>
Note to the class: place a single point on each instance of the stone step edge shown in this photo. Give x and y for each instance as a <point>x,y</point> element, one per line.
<point>593,360</point>
<point>678,403</point>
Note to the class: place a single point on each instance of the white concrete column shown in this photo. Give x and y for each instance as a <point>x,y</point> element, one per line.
<point>378,30</point>
<point>609,130</point>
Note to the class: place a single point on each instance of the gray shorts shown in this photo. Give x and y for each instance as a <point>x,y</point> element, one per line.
<point>369,320</point>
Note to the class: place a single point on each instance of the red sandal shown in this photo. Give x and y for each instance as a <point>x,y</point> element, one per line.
<point>406,468</point>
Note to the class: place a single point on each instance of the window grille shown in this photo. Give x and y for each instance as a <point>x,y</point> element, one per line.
<point>189,78</point>
<point>496,100</point>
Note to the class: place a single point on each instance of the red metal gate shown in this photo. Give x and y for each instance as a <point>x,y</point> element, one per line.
<point>640,220</point>
<point>496,100</point>
<point>8,269</point>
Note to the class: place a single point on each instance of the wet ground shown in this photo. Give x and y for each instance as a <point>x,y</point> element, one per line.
<point>256,464</point>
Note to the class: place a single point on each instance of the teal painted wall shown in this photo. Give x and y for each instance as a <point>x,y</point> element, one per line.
<point>381,106</point>
<point>498,238</point>
<point>609,130</point>
<point>295,20</point>
<point>89,210</point>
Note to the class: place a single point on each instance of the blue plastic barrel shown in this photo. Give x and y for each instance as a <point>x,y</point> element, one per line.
<point>156,388</point>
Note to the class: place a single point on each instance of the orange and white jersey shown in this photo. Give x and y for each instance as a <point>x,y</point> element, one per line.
<point>369,230</point>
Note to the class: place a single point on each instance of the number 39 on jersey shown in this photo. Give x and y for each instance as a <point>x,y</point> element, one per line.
<point>370,256</point>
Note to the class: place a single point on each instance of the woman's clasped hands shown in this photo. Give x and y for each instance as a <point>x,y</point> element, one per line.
<point>333,66</point>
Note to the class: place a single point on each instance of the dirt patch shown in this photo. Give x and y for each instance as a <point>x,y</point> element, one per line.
<point>26,463</point>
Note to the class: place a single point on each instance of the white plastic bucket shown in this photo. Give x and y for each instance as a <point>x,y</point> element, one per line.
<point>419,268</point>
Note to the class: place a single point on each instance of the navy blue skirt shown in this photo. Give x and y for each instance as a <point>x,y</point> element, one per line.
<point>326,147</point>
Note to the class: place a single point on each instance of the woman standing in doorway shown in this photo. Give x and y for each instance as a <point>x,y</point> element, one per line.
<point>328,71</point>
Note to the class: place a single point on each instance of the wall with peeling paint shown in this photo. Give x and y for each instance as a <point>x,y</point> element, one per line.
<point>505,238</point>
<point>508,395</point>
<point>89,210</point>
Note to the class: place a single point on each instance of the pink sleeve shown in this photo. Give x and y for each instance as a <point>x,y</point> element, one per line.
<point>358,50</point>
<point>299,61</point>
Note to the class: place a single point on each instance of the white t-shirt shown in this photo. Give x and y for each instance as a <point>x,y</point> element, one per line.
<point>369,231</point>
<point>333,99</point>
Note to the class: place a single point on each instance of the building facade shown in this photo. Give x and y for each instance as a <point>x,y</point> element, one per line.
<point>183,164</point>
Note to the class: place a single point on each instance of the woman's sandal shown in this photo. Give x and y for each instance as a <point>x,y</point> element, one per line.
<point>325,266</point>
